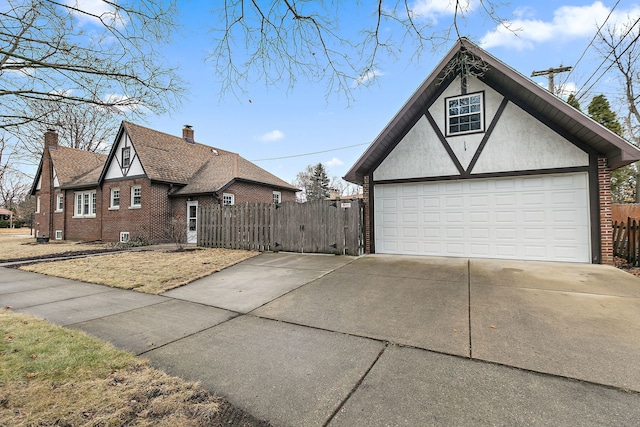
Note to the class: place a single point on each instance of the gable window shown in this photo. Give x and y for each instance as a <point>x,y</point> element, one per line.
<point>126,157</point>
<point>59,203</point>
<point>277,197</point>
<point>228,199</point>
<point>85,204</point>
<point>465,114</point>
<point>136,196</point>
<point>115,199</point>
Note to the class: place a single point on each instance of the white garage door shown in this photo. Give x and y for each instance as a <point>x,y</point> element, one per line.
<point>542,217</point>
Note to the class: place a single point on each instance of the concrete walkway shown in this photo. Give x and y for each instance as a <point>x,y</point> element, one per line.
<point>379,340</point>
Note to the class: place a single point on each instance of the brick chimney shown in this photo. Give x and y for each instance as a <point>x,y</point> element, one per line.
<point>51,139</point>
<point>187,133</point>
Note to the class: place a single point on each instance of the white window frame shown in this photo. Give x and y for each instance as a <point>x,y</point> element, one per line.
<point>124,236</point>
<point>277,197</point>
<point>59,202</point>
<point>134,205</point>
<point>228,199</point>
<point>467,111</point>
<point>112,199</point>
<point>128,157</point>
<point>38,204</point>
<point>84,204</point>
<point>58,234</point>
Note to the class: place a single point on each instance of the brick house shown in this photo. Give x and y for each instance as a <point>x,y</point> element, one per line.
<point>483,162</point>
<point>147,181</point>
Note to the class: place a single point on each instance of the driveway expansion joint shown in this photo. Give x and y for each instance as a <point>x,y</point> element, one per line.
<point>356,386</point>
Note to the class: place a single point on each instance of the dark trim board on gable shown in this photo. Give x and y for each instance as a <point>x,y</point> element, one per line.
<point>486,175</point>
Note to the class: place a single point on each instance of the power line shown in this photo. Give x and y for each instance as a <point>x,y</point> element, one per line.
<point>311,154</point>
<point>607,58</point>
<point>590,43</point>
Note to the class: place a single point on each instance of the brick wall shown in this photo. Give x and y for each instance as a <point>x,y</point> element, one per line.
<point>367,215</point>
<point>246,192</point>
<point>82,228</point>
<point>58,217</point>
<point>136,221</point>
<point>606,226</point>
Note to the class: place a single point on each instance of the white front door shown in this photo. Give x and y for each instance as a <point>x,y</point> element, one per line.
<point>192,222</point>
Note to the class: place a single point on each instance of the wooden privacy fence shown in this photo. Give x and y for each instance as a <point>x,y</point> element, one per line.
<point>321,226</point>
<point>626,241</point>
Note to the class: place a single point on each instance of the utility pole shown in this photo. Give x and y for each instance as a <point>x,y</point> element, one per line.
<point>551,72</point>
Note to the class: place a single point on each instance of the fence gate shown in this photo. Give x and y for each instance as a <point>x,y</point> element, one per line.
<point>321,226</point>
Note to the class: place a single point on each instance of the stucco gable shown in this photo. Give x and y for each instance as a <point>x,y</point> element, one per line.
<point>517,89</point>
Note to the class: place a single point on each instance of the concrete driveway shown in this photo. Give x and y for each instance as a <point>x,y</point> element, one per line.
<point>380,340</point>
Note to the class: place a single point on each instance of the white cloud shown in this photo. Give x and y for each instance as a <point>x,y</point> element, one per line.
<point>567,89</point>
<point>94,10</point>
<point>368,77</point>
<point>569,22</point>
<point>334,162</point>
<point>432,9</point>
<point>274,135</point>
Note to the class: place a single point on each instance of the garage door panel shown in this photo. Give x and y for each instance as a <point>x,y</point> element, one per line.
<point>538,218</point>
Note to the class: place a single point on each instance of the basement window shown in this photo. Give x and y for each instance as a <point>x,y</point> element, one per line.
<point>58,234</point>
<point>124,236</point>
<point>465,114</point>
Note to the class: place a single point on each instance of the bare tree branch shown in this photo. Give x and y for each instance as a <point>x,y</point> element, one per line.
<point>280,42</point>
<point>65,51</point>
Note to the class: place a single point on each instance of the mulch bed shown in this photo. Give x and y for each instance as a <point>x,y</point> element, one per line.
<point>622,264</point>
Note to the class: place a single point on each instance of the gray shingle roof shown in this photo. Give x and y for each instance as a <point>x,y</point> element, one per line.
<point>201,168</point>
<point>77,168</point>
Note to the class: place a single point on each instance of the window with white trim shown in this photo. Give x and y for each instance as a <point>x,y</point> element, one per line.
<point>126,157</point>
<point>59,203</point>
<point>228,199</point>
<point>38,204</point>
<point>85,204</point>
<point>58,234</point>
<point>465,114</point>
<point>124,236</point>
<point>115,199</point>
<point>136,196</point>
<point>277,197</point>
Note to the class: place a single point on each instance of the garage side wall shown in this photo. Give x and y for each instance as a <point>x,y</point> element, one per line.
<point>606,224</point>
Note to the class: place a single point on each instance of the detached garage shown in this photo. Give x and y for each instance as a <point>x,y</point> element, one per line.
<point>482,162</point>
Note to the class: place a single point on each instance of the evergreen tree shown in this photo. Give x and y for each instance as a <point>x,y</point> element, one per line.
<point>319,188</point>
<point>573,101</point>
<point>600,110</point>
<point>314,183</point>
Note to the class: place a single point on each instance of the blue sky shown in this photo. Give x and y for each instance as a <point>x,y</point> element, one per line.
<point>275,122</point>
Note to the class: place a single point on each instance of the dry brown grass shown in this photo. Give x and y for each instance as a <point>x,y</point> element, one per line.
<point>151,272</point>
<point>14,246</point>
<point>55,376</point>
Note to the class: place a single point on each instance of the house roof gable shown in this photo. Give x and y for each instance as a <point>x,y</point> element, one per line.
<point>199,168</point>
<point>517,88</point>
